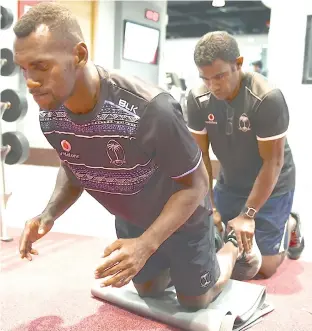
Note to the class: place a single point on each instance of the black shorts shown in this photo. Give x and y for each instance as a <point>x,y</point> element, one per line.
<point>190,256</point>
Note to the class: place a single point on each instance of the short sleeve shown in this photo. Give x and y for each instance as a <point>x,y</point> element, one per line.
<point>272,117</point>
<point>195,120</point>
<point>163,134</point>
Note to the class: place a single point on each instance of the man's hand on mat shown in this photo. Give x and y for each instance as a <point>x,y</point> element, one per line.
<point>34,229</point>
<point>122,266</point>
<point>244,230</point>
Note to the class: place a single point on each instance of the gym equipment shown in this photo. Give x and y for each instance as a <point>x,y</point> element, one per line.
<point>6,18</point>
<point>14,148</point>
<point>14,145</point>
<point>3,198</point>
<point>17,108</point>
<point>237,307</point>
<point>4,150</point>
<point>18,147</point>
<point>8,66</point>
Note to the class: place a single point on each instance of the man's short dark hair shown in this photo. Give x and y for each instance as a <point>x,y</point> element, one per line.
<point>216,45</point>
<point>60,20</point>
<point>257,64</point>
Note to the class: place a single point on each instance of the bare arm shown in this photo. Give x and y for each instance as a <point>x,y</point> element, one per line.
<point>272,154</point>
<point>179,207</point>
<point>65,194</point>
<point>270,125</point>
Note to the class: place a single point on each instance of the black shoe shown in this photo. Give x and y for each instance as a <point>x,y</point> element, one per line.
<point>296,245</point>
<point>231,236</point>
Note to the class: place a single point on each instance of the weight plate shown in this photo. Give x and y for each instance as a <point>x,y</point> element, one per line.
<point>8,68</point>
<point>19,147</point>
<point>6,17</point>
<point>19,105</point>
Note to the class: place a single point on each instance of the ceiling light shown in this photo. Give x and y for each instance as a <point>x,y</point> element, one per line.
<point>218,3</point>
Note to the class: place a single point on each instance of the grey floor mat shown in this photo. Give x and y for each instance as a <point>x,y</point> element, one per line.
<point>240,305</point>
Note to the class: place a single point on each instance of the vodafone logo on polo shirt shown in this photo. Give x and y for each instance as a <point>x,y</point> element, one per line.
<point>211,119</point>
<point>66,146</point>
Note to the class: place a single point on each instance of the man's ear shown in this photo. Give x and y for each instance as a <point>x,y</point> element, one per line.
<point>239,62</point>
<point>81,54</point>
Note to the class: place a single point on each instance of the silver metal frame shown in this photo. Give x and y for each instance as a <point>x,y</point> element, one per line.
<point>4,150</point>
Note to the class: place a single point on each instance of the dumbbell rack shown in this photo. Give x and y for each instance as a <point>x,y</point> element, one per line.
<point>4,150</point>
<point>6,68</point>
<point>14,146</point>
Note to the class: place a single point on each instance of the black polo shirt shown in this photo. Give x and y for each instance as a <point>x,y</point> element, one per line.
<point>258,113</point>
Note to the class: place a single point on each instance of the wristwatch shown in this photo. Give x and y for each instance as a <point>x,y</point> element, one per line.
<point>249,212</point>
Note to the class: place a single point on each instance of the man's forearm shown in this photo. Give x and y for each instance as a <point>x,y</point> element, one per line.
<point>208,166</point>
<point>65,194</point>
<point>264,184</point>
<point>176,212</point>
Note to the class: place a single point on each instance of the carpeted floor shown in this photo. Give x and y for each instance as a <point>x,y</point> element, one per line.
<point>53,291</point>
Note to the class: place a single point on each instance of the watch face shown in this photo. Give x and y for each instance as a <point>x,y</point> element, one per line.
<point>250,212</point>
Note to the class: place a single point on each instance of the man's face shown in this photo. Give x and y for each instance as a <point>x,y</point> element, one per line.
<point>221,78</point>
<point>49,70</point>
<point>256,68</point>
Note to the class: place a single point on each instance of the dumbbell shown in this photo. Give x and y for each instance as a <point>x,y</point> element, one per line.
<point>14,106</point>
<point>15,148</point>
<point>7,65</point>
<point>6,18</point>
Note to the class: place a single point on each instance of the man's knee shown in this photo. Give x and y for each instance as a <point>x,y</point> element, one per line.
<point>270,265</point>
<point>154,287</point>
<point>150,289</point>
<point>194,303</point>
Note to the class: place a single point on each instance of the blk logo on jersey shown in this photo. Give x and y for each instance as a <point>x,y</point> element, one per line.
<point>124,104</point>
<point>66,145</point>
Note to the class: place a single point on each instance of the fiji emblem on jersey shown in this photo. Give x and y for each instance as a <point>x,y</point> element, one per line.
<point>115,153</point>
<point>244,123</point>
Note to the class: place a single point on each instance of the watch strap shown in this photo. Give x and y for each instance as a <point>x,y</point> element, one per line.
<point>249,212</point>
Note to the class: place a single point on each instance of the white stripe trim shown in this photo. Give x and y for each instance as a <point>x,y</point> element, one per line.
<point>190,171</point>
<point>279,136</point>
<point>253,93</point>
<point>282,244</point>
<point>88,137</point>
<point>103,168</point>
<point>203,131</point>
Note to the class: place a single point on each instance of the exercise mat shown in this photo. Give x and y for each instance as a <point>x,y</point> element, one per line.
<point>238,307</point>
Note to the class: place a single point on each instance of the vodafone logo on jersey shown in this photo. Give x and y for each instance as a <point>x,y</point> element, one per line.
<point>211,119</point>
<point>66,145</point>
